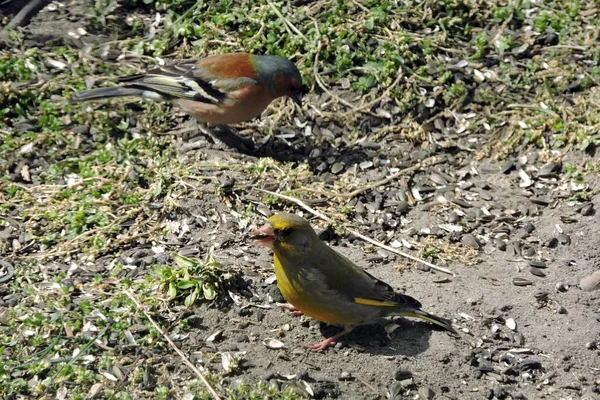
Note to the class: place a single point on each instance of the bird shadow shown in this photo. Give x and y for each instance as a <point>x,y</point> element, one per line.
<point>320,154</point>
<point>410,339</point>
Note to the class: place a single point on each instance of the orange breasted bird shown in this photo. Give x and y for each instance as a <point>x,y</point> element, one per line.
<point>219,89</point>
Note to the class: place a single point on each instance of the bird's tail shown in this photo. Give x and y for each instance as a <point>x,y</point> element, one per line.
<point>416,313</point>
<point>103,93</point>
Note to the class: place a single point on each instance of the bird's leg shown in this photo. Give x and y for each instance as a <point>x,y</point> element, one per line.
<point>294,311</point>
<point>329,342</point>
<point>225,137</point>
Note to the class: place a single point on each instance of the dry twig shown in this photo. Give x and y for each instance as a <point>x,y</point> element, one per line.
<point>174,346</point>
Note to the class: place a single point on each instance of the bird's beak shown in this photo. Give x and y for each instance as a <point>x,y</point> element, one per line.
<point>297,97</point>
<point>264,236</point>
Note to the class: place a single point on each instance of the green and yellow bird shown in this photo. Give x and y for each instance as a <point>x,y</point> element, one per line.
<point>325,285</point>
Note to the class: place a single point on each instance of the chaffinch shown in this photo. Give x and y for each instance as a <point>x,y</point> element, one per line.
<point>219,89</point>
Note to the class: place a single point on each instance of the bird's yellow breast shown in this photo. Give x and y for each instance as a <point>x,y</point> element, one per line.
<point>305,296</point>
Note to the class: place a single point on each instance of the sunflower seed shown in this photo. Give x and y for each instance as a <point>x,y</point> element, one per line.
<point>537,272</point>
<point>537,264</point>
<point>521,282</point>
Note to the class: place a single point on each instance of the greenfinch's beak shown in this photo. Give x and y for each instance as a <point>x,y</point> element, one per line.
<point>264,236</point>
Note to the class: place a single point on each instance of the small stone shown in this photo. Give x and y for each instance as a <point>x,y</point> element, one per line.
<point>560,309</point>
<point>598,316</point>
<point>337,168</point>
<point>511,324</point>
<point>564,239</point>
<point>528,227</point>
<point>590,282</point>
<point>561,287</point>
<point>591,345</point>
<point>425,393</point>
<point>275,294</point>
<point>528,251</point>
<point>242,338</point>
<point>485,366</point>
<point>551,243</point>
<point>500,244</point>
<point>500,392</point>
<point>587,210</point>
<point>395,390</point>
<point>402,374</point>
<point>470,241</point>
<point>345,376</point>
<point>424,267</point>
<point>453,217</point>
<point>513,249</point>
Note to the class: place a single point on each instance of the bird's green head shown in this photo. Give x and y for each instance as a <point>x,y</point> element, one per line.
<point>288,235</point>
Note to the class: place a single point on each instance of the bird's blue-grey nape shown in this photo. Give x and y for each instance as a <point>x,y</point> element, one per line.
<point>269,66</point>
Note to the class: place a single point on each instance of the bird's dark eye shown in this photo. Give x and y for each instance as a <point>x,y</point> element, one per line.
<point>285,231</point>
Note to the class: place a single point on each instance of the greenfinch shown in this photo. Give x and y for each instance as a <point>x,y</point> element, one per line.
<point>325,285</point>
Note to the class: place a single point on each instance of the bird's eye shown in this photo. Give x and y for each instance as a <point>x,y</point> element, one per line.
<point>285,231</point>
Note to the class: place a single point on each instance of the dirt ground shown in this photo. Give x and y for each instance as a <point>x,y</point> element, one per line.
<point>485,220</point>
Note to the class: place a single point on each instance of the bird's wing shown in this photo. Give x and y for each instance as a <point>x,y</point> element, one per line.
<point>358,285</point>
<point>186,81</point>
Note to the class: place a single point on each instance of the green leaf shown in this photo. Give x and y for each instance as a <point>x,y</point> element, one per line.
<point>191,298</point>
<point>209,291</point>
<point>184,262</point>
<point>172,292</point>
<point>186,284</point>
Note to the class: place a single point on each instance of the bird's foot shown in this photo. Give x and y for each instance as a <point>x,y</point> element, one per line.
<point>224,138</point>
<point>293,310</point>
<point>329,342</point>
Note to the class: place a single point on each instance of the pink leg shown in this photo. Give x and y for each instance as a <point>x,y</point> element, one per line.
<point>329,342</point>
<point>294,311</point>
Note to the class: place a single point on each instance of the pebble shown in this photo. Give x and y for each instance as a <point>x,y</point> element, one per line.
<point>564,239</point>
<point>337,168</point>
<point>485,366</point>
<point>598,316</point>
<point>591,345</point>
<point>513,249</point>
<point>587,209</point>
<point>345,376</point>
<point>453,217</point>
<point>395,390</point>
<point>425,393</point>
<point>561,287</point>
<point>402,374</point>
<point>242,338</point>
<point>551,243</point>
<point>275,294</point>
<point>590,282</point>
<point>500,392</point>
<point>500,244</point>
<point>470,241</point>
<point>528,251</point>
<point>528,227</point>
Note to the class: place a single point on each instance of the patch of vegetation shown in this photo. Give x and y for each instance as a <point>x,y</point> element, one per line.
<point>194,279</point>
